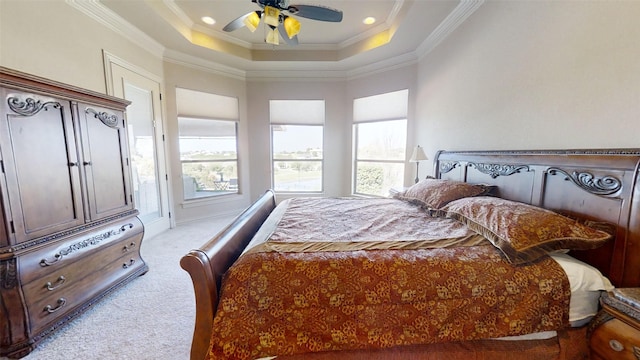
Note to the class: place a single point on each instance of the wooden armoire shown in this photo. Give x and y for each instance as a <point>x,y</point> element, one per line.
<point>69,231</point>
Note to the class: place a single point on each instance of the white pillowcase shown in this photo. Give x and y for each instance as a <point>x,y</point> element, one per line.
<point>586,284</point>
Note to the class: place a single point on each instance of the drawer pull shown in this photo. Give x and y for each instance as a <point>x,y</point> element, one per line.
<point>50,309</point>
<point>58,283</point>
<point>126,248</point>
<point>128,265</point>
<point>49,262</point>
<point>636,352</point>
<point>615,345</point>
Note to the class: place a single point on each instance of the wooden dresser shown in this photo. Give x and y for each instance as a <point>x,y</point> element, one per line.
<point>615,331</point>
<point>69,231</point>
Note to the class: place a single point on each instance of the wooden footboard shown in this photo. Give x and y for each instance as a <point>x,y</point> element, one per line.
<point>208,264</point>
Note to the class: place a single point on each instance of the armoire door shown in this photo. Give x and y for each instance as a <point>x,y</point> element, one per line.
<point>105,161</point>
<point>40,164</point>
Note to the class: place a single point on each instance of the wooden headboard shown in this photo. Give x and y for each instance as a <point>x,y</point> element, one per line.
<point>597,185</point>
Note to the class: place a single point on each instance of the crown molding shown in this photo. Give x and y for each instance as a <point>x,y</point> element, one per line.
<point>95,10</point>
<point>296,75</point>
<point>200,64</point>
<point>177,11</point>
<point>383,26</point>
<point>379,67</point>
<point>461,12</point>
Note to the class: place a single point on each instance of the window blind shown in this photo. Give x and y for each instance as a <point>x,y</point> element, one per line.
<point>388,106</point>
<point>298,112</point>
<point>197,104</point>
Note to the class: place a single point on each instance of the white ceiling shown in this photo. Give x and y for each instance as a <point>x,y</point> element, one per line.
<point>405,30</point>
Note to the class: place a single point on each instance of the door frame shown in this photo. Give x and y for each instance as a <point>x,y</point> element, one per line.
<point>110,60</point>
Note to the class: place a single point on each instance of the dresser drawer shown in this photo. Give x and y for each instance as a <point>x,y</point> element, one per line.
<point>48,259</point>
<point>61,301</point>
<point>61,278</point>
<point>615,340</point>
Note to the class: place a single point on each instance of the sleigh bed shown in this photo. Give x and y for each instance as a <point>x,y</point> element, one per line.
<point>432,273</point>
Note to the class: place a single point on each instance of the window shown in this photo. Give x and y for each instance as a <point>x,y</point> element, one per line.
<point>380,137</point>
<point>297,128</point>
<point>208,137</point>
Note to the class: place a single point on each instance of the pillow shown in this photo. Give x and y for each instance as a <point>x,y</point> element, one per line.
<point>435,193</point>
<point>523,232</point>
<point>586,284</point>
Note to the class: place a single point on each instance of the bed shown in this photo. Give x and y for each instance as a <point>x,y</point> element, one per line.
<point>388,312</point>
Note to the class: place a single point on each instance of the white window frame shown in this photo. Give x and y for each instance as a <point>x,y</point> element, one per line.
<point>296,113</point>
<point>204,106</point>
<point>386,107</point>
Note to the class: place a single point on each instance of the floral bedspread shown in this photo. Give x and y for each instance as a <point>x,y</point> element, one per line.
<point>320,283</point>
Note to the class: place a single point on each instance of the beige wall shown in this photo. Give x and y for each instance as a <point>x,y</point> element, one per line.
<point>534,75</point>
<point>338,96</point>
<point>53,40</point>
<point>336,129</point>
<point>186,77</point>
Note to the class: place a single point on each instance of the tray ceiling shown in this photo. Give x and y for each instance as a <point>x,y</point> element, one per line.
<point>404,31</point>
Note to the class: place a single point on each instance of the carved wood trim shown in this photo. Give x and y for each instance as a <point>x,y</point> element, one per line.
<point>110,120</point>
<point>83,244</point>
<point>446,166</point>
<point>27,82</point>
<point>495,170</point>
<point>605,185</point>
<point>58,235</point>
<point>29,106</point>
<point>551,152</point>
<point>8,274</point>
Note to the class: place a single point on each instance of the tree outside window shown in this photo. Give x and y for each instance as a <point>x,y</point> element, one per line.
<point>380,138</point>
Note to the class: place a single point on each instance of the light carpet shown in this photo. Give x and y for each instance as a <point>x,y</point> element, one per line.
<point>151,317</point>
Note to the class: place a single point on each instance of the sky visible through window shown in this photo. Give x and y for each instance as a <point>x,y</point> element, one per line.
<point>296,138</point>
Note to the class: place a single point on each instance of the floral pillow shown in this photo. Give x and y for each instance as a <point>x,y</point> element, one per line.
<point>435,193</point>
<point>523,232</point>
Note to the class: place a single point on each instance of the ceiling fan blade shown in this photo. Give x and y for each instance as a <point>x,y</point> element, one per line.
<point>315,12</point>
<point>283,33</point>
<point>236,24</point>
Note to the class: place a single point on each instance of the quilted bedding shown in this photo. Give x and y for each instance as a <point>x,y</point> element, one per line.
<point>346,274</point>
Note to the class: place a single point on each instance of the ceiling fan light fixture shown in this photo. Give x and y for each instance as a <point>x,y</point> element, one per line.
<point>291,26</point>
<point>252,21</point>
<point>272,37</point>
<point>271,16</point>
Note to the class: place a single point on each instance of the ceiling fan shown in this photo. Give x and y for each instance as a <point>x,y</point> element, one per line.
<point>274,15</point>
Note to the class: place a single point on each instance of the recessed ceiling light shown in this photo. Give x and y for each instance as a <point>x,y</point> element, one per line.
<point>208,20</point>
<point>369,20</point>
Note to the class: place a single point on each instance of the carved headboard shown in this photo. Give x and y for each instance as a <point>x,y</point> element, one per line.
<point>597,185</point>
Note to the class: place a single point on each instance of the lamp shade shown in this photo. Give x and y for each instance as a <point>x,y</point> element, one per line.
<point>292,26</point>
<point>252,21</point>
<point>272,37</point>
<point>418,155</point>
<point>271,16</point>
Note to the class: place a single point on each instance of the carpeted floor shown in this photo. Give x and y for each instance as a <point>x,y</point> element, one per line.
<point>152,317</point>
